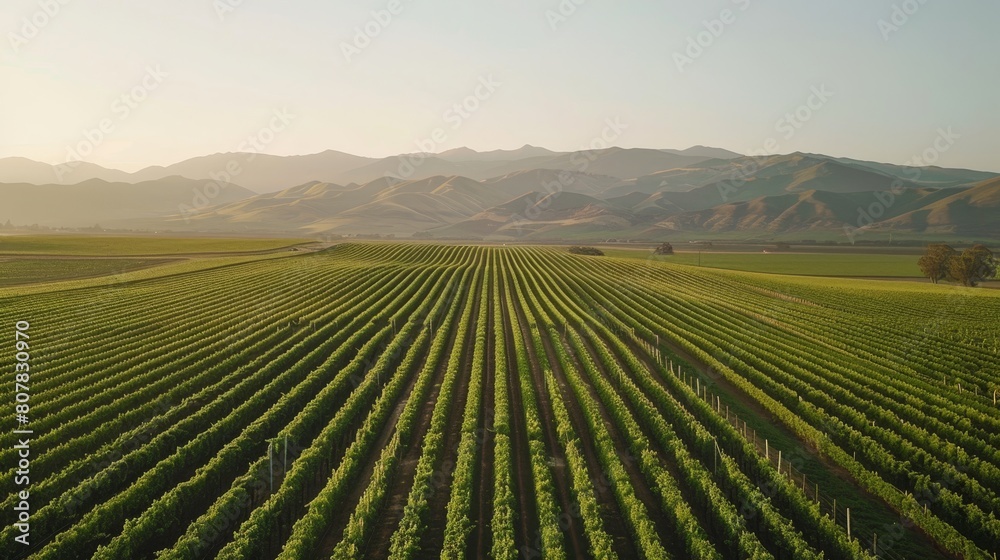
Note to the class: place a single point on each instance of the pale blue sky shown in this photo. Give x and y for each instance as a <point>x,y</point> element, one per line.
<point>225,76</point>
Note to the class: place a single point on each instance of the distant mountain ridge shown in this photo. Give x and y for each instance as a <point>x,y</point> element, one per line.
<point>24,170</point>
<point>264,173</point>
<point>526,193</point>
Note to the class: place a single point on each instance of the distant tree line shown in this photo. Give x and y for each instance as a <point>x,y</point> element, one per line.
<point>968,268</point>
<point>577,250</point>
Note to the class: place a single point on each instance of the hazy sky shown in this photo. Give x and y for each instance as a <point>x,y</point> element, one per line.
<point>201,76</point>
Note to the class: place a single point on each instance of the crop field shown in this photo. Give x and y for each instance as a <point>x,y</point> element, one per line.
<point>429,401</point>
<point>14,271</point>
<point>809,264</point>
<point>123,245</point>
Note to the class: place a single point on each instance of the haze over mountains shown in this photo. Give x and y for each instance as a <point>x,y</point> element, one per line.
<point>526,193</point>
<point>265,173</point>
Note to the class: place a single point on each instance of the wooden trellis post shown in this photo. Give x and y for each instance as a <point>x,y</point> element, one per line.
<point>716,455</point>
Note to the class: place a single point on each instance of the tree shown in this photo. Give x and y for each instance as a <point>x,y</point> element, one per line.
<point>935,262</point>
<point>664,249</point>
<point>586,251</point>
<point>974,265</point>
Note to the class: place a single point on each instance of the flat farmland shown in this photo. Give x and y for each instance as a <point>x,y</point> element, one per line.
<point>846,263</point>
<point>398,400</point>
<point>122,245</point>
<point>21,271</point>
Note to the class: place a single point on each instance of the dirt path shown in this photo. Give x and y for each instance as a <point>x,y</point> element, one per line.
<point>643,490</point>
<point>336,526</point>
<point>611,514</point>
<point>576,543</point>
<point>432,541</point>
<point>526,529</point>
<point>688,492</point>
<point>482,494</point>
<point>404,471</point>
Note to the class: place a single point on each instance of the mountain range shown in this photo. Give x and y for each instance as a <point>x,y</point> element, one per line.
<point>526,193</point>
<point>264,173</point>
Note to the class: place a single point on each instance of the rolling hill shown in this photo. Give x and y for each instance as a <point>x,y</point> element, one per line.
<point>972,211</point>
<point>538,215</point>
<point>96,201</point>
<point>386,206</point>
<point>805,211</point>
<point>527,193</point>
<point>264,173</point>
<point>260,172</point>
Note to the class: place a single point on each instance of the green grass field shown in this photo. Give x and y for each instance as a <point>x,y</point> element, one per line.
<point>122,246</point>
<point>809,264</point>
